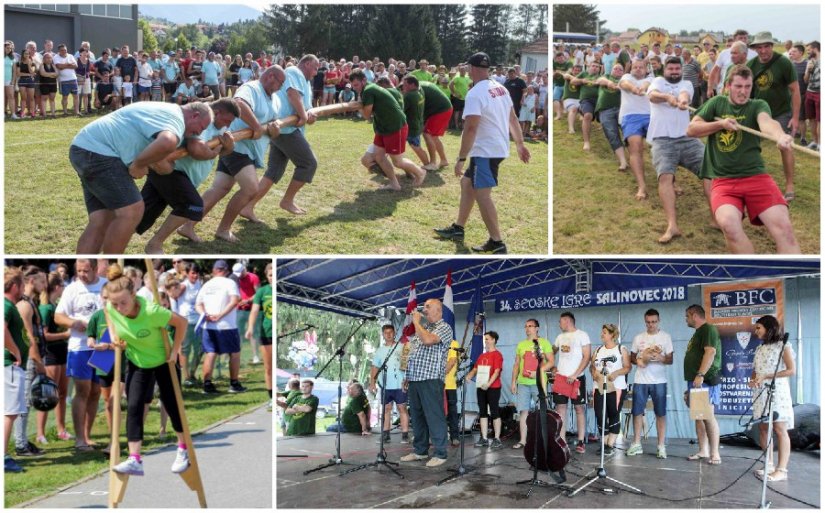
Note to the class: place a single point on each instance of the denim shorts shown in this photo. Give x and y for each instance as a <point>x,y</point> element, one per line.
<point>68,87</point>
<point>635,124</point>
<point>107,184</point>
<point>483,172</point>
<point>397,396</point>
<point>609,118</point>
<point>715,392</point>
<point>558,92</point>
<point>525,397</point>
<point>588,105</point>
<point>668,153</point>
<point>657,392</point>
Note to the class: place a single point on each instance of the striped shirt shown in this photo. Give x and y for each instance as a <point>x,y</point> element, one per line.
<point>692,72</point>
<point>430,362</point>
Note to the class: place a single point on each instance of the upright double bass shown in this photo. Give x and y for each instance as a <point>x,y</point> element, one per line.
<point>552,453</point>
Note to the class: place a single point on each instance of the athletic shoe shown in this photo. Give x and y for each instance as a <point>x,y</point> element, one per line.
<point>455,442</point>
<point>435,462</point>
<point>130,466</point>
<point>181,462</point>
<point>813,146</point>
<point>15,117</point>
<point>452,232</point>
<point>256,360</point>
<point>481,442</point>
<point>30,451</point>
<point>608,451</point>
<point>405,438</point>
<point>661,453</point>
<point>414,457</point>
<point>65,435</point>
<point>634,450</point>
<point>237,388</point>
<point>496,444</point>
<point>803,141</point>
<point>10,465</point>
<point>209,388</point>
<point>580,447</point>
<point>42,440</point>
<point>189,382</point>
<point>269,406</point>
<point>386,436</point>
<point>492,246</point>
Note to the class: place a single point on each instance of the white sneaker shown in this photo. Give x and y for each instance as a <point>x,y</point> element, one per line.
<point>129,466</point>
<point>256,360</point>
<point>181,461</point>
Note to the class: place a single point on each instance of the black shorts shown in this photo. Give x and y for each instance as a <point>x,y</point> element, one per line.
<point>170,88</point>
<point>55,354</point>
<point>266,341</point>
<point>233,163</point>
<point>48,88</point>
<point>175,190</point>
<point>107,380</point>
<point>563,399</point>
<point>458,104</point>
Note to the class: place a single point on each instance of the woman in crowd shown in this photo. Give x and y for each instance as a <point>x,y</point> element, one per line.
<point>246,73</point>
<point>54,354</point>
<point>191,351</point>
<point>48,84</point>
<point>488,392</point>
<point>25,73</point>
<point>84,80</point>
<point>765,362</point>
<point>616,383</point>
<point>10,62</point>
<point>233,79</point>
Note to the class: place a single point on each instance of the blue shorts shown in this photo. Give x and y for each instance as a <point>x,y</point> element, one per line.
<point>483,172</point>
<point>525,397</point>
<point>77,366</point>
<point>414,140</point>
<point>143,90</point>
<point>657,392</point>
<point>396,395</point>
<point>329,89</point>
<point>68,87</point>
<point>715,392</point>
<point>635,124</point>
<point>558,92</point>
<point>221,341</point>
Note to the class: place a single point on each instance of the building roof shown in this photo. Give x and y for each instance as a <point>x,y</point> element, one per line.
<point>537,46</point>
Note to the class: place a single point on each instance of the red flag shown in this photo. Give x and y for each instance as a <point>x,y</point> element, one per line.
<point>409,328</point>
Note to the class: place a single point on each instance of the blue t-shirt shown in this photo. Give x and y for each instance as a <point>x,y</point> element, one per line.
<point>156,64</point>
<point>245,74</point>
<point>370,75</point>
<point>198,170</point>
<point>263,107</point>
<point>170,71</point>
<point>395,376</point>
<point>211,70</point>
<point>183,90</point>
<point>295,79</point>
<point>129,130</point>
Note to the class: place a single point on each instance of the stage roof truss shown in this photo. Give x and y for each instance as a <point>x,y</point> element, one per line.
<point>310,297</point>
<point>376,275</point>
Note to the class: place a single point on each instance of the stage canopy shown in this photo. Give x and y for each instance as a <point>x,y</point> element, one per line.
<point>361,287</point>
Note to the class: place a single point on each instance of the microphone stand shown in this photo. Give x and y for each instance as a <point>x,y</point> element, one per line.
<point>461,470</point>
<point>336,459</point>
<point>600,472</point>
<point>381,458</point>
<point>296,331</point>
<point>769,409</point>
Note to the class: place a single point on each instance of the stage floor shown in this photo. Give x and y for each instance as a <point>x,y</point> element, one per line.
<point>672,483</point>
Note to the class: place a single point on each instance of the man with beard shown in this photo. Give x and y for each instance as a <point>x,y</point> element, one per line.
<point>670,97</point>
<point>734,163</point>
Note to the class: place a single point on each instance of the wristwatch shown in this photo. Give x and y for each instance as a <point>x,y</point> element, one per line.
<point>462,159</point>
<point>700,374</point>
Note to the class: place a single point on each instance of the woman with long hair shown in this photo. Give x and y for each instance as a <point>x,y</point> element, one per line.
<point>616,372</point>
<point>48,84</point>
<point>25,72</point>
<point>54,355</point>
<point>140,327</point>
<point>9,83</point>
<point>191,351</point>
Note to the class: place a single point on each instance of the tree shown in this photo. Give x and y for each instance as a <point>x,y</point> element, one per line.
<point>150,42</point>
<point>488,32</point>
<point>219,45</point>
<point>391,33</point>
<point>183,42</point>
<point>578,17</point>
<point>451,29</point>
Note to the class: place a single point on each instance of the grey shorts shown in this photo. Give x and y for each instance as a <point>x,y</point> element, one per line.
<point>107,184</point>
<point>784,119</point>
<point>233,163</point>
<point>669,153</point>
<point>295,148</point>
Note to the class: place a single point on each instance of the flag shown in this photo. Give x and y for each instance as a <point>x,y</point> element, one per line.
<point>447,303</point>
<point>409,328</point>
<point>475,316</point>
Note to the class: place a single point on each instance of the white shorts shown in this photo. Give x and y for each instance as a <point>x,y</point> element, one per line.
<point>571,103</point>
<point>7,83</point>
<point>14,393</point>
<point>371,149</point>
<point>87,87</point>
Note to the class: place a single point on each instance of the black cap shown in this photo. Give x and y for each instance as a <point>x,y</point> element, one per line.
<point>479,60</point>
<point>220,265</point>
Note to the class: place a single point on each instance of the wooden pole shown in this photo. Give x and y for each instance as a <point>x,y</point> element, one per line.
<point>191,476</point>
<point>117,482</point>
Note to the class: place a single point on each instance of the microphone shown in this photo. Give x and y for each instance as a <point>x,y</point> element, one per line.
<point>762,419</point>
<point>458,349</point>
<point>608,359</point>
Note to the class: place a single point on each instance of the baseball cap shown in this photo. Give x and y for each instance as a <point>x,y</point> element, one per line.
<point>220,265</point>
<point>479,60</point>
<point>237,269</point>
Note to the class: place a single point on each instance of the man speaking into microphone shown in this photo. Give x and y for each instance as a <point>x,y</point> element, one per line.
<point>525,369</point>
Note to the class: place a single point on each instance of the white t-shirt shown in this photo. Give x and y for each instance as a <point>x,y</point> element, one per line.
<point>145,75</point>
<point>653,372</point>
<point>632,103</point>
<point>215,297</point>
<point>492,102</point>
<point>127,89</point>
<point>146,294</point>
<point>724,62</point>
<point>80,301</point>
<point>569,355</point>
<point>667,121</point>
<point>64,75</point>
<point>602,352</point>
<point>186,302</point>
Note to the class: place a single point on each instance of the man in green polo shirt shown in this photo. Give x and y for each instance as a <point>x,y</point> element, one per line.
<point>301,410</point>
<point>459,86</point>
<point>607,108</point>
<point>422,74</point>
<point>560,66</point>
<point>437,113</point>
<point>390,127</point>
<point>356,415</point>
<point>570,97</point>
<point>775,81</point>
<point>15,356</point>
<point>414,111</point>
<point>588,94</point>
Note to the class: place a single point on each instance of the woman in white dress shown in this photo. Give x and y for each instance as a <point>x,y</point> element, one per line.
<point>764,363</point>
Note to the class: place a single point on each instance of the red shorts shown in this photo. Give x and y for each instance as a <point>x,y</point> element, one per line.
<point>811,105</point>
<point>756,193</point>
<point>394,143</point>
<point>437,123</point>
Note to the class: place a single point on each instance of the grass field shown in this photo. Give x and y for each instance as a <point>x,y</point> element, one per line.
<point>594,210</point>
<point>348,214</point>
<point>62,465</point>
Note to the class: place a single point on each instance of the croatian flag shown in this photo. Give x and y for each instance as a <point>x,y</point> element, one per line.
<point>409,328</point>
<point>475,316</point>
<point>447,311</point>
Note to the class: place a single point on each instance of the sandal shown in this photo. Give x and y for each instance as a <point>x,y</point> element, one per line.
<point>761,471</point>
<point>84,448</point>
<point>518,445</point>
<point>790,196</point>
<point>714,461</point>
<point>694,457</point>
<point>780,474</point>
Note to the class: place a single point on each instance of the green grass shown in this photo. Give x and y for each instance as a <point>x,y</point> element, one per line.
<point>594,210</point>
<point>62,466</point>
<point>347,213</point>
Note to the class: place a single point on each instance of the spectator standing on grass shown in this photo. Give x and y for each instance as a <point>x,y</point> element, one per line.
<point>191,350</point>
<point>24,74</point>
<point>144,85</point>
<point>157,87</point>
<point>171,77</point>
<point>48,84</point>
<point>10,64</point>
<point>54,354</point>
<point>248,284</point>
<point>262,305</point>
<point>211,75</point>
<point>84,80</point>
<point>233,78</point>
<point>127,64</point>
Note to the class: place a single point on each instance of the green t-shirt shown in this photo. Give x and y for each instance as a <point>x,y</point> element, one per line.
<point>524,347</point>
<point>435,101</point>
<point>558,80</point>
<point>15,324</point>
<point>95,329</point>
<point>397,95</point>
<point>771,84</point>
<point>414,110</point>
<point>302,423</point>
<point>570,91</point>
<point>732,154</point>
<point>263,298</point>
<point>422,76</point>
<point>461,85</point>
<point>609,98</point>
<point>47,314</point>
<point>145,346</point>
<point>588,91</point>
<point>705,336</point>
<point>387,115</point>
<point>289,396</point>
<point>349,417</point>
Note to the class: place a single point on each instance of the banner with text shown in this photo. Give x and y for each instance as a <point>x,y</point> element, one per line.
<point>519,302</point>
<point>734,308</point>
